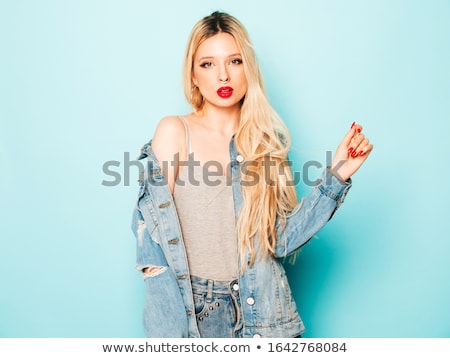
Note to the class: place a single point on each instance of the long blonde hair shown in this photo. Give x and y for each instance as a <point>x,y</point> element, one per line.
<point>261,136</point>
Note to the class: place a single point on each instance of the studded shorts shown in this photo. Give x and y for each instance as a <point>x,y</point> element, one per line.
<point>217,308</point>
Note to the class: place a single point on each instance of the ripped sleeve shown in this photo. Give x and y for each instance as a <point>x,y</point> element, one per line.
<point>150,258</point>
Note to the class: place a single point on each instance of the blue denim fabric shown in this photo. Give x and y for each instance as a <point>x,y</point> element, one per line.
<point>267,305</point>
<point>217,308</point>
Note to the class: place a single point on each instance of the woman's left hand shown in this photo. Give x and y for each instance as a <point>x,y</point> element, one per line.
<point>351,153</point>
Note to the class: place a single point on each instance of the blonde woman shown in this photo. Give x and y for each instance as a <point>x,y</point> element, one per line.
<point>217,208</point>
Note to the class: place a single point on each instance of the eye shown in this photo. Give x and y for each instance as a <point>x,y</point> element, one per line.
<point>236,61</point>
<point>206,64</point>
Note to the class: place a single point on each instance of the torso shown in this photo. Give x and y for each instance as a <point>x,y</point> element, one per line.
<point>204,199</point>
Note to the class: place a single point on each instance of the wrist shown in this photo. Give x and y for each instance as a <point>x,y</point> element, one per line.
<point>340,172</point>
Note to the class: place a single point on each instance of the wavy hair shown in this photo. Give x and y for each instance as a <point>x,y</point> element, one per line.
<point>261,136</point>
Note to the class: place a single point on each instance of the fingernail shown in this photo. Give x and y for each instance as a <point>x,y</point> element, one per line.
<point>353,124</point>
<point>359,130</point>
<point>350,150</point>
<point>360,153</point>
<point>354,153</point>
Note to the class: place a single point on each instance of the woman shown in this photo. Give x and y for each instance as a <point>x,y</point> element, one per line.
<point>217,209</point>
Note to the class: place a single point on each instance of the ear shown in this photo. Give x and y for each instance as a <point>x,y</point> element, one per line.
<point>194,80</point>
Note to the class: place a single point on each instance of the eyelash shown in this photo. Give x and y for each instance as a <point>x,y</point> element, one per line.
<point>236,61</point>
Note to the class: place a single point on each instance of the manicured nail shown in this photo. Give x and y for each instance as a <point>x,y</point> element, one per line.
<point>350,150</point>
<point>359,130</point>
<point>353,124</point>
<point>360,153</point>
<point>354,153</point>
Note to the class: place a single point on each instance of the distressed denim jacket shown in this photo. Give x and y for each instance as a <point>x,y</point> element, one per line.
<point>268,307</point>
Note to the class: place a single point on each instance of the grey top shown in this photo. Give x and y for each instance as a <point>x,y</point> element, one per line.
<point>205,209</point>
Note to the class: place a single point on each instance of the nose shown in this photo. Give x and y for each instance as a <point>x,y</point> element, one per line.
<point>223,75</point>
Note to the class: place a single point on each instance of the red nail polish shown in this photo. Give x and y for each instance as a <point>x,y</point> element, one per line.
<point>359,130</point>
<point>353,124</point>
<point>354,154</point>
<point>350,150</point>
<point>360,153</point>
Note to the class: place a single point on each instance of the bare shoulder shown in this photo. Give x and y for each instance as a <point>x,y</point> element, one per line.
<point>169,128</point>
<point>169,132</point>
<point>169,138</point>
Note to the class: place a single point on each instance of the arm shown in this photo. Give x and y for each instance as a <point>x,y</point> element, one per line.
<point>309,216</point>
<point>149,255</point>
<point>168,144</point>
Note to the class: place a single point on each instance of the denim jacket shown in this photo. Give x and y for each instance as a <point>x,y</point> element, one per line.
<point>268,306</point>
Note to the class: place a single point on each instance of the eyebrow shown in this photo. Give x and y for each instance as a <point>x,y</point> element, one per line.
<point>211,57</point>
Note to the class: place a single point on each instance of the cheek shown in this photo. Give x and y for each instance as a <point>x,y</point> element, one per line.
<point>242,77</point>
<point>203,79</point>
<point>243,80</point>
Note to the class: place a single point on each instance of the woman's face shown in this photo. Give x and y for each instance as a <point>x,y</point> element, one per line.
<point>218,71</point>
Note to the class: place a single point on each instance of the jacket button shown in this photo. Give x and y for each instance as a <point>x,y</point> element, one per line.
<point>256,335</point>
<point>239,158</point>
<point>235,287</point>
<point>250,301</point>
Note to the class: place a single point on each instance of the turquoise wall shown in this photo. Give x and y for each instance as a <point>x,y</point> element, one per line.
<point>85,82</point>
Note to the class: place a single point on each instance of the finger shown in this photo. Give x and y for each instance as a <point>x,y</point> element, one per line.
<point>365,150</point>
<point>355,129</point>
<point>358,139</point>
<point>356,145</point>
<point>359,147</point>
<point>358,128</point>
<point>348,137</point>
<point>359,142</point>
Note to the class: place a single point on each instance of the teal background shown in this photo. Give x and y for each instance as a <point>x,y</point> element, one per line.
<point>83,82</point>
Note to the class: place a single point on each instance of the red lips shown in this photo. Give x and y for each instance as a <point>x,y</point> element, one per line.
<point>225,92</point>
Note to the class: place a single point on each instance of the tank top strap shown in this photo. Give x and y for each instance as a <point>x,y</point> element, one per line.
<point>188,138</point>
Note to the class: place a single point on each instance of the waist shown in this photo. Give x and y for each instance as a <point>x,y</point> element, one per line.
<point>200,284</point>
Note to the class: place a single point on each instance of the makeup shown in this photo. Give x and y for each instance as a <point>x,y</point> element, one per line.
<point>225,92</point>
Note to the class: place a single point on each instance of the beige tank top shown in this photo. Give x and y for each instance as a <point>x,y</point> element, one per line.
<point>205,209</point>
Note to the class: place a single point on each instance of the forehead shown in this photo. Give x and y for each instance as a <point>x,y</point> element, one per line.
<point>219,45</point>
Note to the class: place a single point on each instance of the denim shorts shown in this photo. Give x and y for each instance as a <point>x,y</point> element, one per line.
<point>217,308</point>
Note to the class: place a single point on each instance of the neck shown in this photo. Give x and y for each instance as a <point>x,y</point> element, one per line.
<point>221,119</point>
